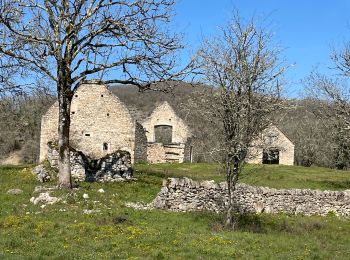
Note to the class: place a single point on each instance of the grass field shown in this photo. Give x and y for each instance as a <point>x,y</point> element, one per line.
<point>274,176</point>
<point>63,231</point>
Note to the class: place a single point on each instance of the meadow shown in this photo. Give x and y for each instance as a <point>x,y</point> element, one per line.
<point>102,227</point>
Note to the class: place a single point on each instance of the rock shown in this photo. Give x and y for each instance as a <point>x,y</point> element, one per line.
<point>208,184</point>
<point>138,205</point>
<point>78,174</point>
<point>91,211</point>
<point>259,207</point>
<point>44,198</point>
<point>44,188</point>
<point>268,209</point>
<point>85,196</point>
<point>101,190</point>
<point>42,174</point>
<point>15,191</point>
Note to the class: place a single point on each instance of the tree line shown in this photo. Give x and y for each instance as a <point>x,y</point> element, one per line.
<point>316,141</point>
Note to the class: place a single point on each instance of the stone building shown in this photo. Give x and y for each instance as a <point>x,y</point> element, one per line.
<point>167,136</point>
<point>272,147</point>
<point>102,124</point>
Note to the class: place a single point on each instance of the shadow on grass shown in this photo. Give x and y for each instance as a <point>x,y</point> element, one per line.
<point>336,185</point>
<point>266,223</point>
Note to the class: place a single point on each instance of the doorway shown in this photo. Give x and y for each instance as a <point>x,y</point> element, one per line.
<point>271,156</point>
<point>163,134</point>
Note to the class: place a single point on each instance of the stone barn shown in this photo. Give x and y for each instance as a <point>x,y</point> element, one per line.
<point>273,147</point>
<point>167,136</point>
<point>101,124</point>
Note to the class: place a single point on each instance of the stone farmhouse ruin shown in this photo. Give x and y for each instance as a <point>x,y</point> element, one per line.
<point>272,147</point>
<point>101,124</point>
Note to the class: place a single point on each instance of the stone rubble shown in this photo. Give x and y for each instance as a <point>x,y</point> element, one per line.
<point>139,205</point>
<point>188,195</point>
<point>91,211</point>
<point>44,188</point>
<point>41,173</point>
<point>44,198</point>
<point>114,167</point>
<point>15,191</point>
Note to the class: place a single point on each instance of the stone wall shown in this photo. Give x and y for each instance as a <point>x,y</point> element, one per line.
<point>165,153</point>
<point>188,151</point>
<point>155,153</point>
<point>110,168</point>
<point>188,195</point>
<point>174,153</point>
<point>49,128</point>
<point>140,144</point>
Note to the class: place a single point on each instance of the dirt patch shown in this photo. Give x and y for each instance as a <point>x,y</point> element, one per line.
<point>13,159</point>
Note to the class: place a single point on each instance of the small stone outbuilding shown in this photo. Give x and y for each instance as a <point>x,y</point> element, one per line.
<point>167,136</point>
<point>272,147</point>
<point>101,124</point>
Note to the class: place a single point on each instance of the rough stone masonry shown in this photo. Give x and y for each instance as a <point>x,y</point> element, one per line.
<point>113,167</point>
<point>188,195</point>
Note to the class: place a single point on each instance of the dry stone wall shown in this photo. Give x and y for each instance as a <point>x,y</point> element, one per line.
<point>155,153</point>
<point>174,152</point>
<point>140,144</point>
<point>189,195</point>
<point>49,127</point>
<point>110,168</point>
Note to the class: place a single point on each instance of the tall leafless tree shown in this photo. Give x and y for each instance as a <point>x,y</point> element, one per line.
<point>333,96</point>
<point>68,41</point>
<point>241,64</point>
<point>333,93</point>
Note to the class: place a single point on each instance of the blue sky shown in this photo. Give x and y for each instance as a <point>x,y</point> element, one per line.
<point>306,30</point>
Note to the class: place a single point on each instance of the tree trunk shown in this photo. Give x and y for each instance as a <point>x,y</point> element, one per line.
<point>64,174</point>
<point>232,177</point>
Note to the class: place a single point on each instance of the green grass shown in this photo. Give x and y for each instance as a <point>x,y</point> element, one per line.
<point>62,231</point>
<point>274,176</point>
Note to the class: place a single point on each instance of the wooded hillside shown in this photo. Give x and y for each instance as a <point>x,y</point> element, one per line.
<point>315,143</point>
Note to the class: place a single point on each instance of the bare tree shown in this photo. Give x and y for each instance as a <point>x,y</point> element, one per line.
<point>333,93</point>
<point>244,69</point>
<point>333,96</point>
<point>7,84</point>
<point>66,41</point>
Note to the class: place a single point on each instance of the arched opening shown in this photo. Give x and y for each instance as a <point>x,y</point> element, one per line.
<point>163,134</point>
<point>105,146</point>
<point>271,156</point>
